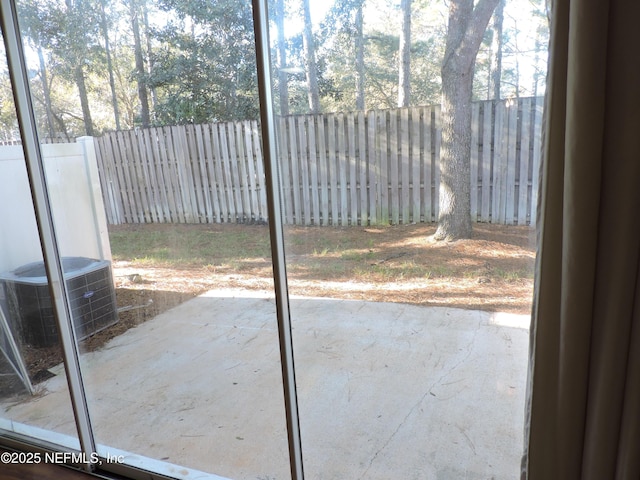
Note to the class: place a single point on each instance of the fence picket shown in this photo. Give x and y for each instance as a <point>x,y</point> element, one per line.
<point>373,161</point>
<point>405,150</point>
<point>304,169</point>
<point>260,178</point>
<point>173,175</point>
<point>295,175</point>
<point>333,168</point>
<point>428,165</point>
<point>523,177</point>
<point>155,200</point>
<point>499,165</point>
<point>225,214</point>
<point>475,146</point>
<point>144,184</point>
<point>242,175</point>
<point>383,133</point>
<point>394,167</point>
<point>209,166</point>
<point>185,174</point>
<point>207,188</point>
<point>313,171</point>
<point>167,187</point>
<point>228,178</point>
<point>362,172</point>
<point>353,179</point>
<point>251,170</point>
<point>324,179</point>
<point>537,154</point>
<point>342,168</point>
<point>485,209</point>
<point>415,165</point>
<point>287,193</point>
<point>512,135</point>
<point>125,181</point>
<point>199,177</point>
<point>237,165</point>
<point>109,180</point>
<point>436,163</point>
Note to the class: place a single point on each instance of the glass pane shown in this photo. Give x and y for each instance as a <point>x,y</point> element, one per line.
<point>34,397</point>
<point>411,353</point>
<point>161,211</point>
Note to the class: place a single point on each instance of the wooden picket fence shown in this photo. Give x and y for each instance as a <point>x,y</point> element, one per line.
<point>359,168</point>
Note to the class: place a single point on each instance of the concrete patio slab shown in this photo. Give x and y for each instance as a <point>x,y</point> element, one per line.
<point>386,390</point>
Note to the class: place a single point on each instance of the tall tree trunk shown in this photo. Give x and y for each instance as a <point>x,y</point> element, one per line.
<point>79,54</point>
<point>496,48</point>
<point>404,70</point>
<point>359,41</point>
<point>466,28</point>
<point>310,60</point>
<point>536,60</point>
<point>140,71</point>
<point>46,93</point>
<point>283,81</point>
<point>145,19</point>
<point>107,50</point>
<point>517,49</point>
<point>84,100</point>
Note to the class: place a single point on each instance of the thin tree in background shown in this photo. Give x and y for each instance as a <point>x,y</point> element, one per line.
<point>497,48</point>
<point>140,69</point>
<point>46,92</point>
<point>466,27</point>
<point>33,21</point>
<point>145,20</point>
<point>359,47</point>
<point>404,70</point>
<point>77,42</point>
<point>541,15</point>
<point>516,48</point>
<point>283,81</point>
<point>310,60</point>
<point>84,100</point>
<point>107,50</point>
<point>343,29</point>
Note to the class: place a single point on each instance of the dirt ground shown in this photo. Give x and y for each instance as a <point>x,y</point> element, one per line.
<point>493,271</point>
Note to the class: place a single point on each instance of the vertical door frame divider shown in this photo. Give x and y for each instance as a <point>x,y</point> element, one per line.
<point>44,220</point>
<point>276,232</point>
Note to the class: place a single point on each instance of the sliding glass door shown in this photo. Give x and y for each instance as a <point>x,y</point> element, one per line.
<point>29,336</point>
<point>238,247</point>
<point>163,242</point>
<point>411,351</point>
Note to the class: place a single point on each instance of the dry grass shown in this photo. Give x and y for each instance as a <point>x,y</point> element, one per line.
<point>492,271</point>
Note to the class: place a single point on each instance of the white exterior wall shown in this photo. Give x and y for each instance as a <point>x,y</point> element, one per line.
<point>76,200</point>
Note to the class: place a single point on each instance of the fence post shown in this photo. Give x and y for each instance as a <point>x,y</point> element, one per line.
<point>96,196</point>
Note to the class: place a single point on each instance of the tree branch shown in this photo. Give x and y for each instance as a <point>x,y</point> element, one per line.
<point>476,27</point>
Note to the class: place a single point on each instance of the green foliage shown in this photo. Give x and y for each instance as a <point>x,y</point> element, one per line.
<point>199,59</point>
<point>66,34</point>
<point>8,120</point>
<point>204,68</point>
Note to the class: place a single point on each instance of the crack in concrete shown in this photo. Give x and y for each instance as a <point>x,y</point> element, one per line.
<point>469,348</point>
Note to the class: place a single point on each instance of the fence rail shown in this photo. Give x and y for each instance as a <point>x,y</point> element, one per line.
<point>359,168</point>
